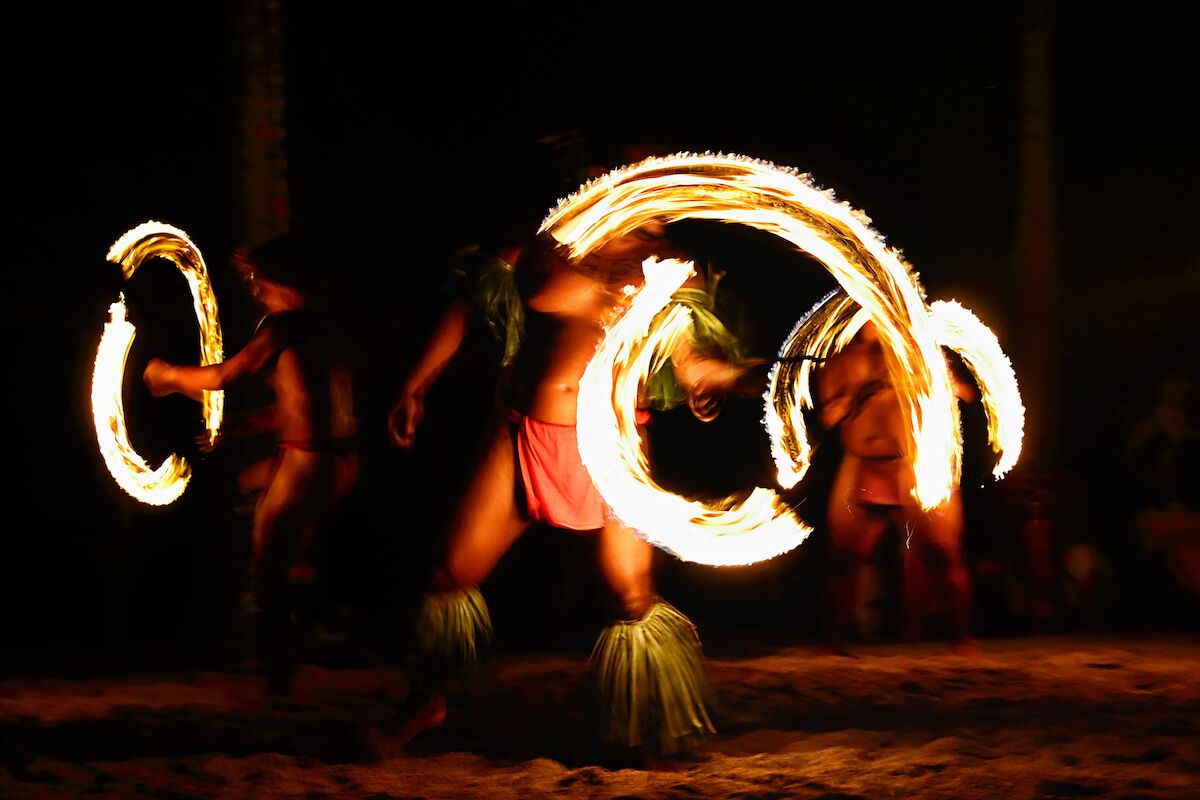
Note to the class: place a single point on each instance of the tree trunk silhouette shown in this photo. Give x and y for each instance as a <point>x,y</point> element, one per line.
<point>1037,267</point>
<point>266,210</point>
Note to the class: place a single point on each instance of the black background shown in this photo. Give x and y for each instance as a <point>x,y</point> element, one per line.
<point>414,130</point>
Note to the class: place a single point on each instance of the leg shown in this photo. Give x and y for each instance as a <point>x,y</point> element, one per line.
<point>487,521</point>
<point>915,597</point>
<point>625,563</point>
<point>284,522</point>
<point>256,476</point>
<point>301,486</point>
<point>650,681</point>
<point>453,623</point>
<point>854,530</point>
<point>939,532</point>
<point>252,480</point>
<point>485,525</point>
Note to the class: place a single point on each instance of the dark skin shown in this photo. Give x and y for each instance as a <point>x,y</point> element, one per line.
<point>872,489</point>
<point>566,307</point>
<point>301,482</point>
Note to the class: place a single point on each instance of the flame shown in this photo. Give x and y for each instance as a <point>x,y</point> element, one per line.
<point>755,529</point>
<point>878,285</point>
<point>826,328</point>
<point>158,487</point>
<point>962,332</point>
<point>166,484</point>
<point>832,323</point>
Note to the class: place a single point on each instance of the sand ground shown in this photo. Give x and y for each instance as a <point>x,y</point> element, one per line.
<point>1040,717</point>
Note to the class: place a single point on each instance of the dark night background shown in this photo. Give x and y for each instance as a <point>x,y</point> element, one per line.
<point>413,131</point>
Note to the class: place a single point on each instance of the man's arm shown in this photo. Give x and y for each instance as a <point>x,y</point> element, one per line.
<point>162,378</point>
<point>409,408</point>
<point>708,378</point>
<point>703,368</point>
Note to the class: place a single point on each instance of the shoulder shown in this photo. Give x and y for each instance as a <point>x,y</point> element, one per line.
<point>285,323</point>
<point>294,327</point>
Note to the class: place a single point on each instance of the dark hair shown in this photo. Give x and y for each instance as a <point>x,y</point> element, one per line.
<point>289,260</point>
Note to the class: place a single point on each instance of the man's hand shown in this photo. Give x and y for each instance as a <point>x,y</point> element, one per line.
<point>404,418</point>
<point>156,377</point>
<point>711,380</point>
<point>751,380</point>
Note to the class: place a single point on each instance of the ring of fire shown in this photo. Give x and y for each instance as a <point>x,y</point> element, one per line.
<point>875,281</point>
<point>163,485</point>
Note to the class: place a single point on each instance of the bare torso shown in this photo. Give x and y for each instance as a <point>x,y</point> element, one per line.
<point>566,309</point>
<point>858,399</point>
<point>313,396</point>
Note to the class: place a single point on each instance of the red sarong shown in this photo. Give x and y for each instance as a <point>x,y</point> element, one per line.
<point>558,489</point>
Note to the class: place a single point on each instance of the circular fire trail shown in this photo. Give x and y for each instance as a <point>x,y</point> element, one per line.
<point>877,285</point>
<point>163,485</point>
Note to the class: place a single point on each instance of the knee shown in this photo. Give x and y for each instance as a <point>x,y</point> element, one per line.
<point>944,557</point>
<point>635,602</point>
<point>456,575</point>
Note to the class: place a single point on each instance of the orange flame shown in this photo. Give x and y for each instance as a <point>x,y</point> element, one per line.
<point>157,487</point>
<point>878,286</point>
<point>167,483</point>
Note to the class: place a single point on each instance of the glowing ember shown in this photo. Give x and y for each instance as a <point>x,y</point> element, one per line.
<point>166,484</point>
<point>878,286</point>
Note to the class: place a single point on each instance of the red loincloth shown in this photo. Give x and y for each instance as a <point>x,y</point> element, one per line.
<point>558,489</point>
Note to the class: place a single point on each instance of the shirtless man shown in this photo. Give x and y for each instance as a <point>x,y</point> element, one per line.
<point>872,488</point>
<point>295,352</point>
<point>530,470</point>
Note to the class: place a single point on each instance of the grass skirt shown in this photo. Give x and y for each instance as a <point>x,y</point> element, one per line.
<point>651,683</point>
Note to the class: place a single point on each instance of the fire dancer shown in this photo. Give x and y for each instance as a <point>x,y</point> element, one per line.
<point>872,489</point>
<point>647,667</point>
<point>296,352</point>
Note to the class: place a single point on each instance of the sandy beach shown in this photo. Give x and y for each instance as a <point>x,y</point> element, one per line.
<point>1038,717</point>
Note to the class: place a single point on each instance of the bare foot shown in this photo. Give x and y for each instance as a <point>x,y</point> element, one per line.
<point>389,739</point>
